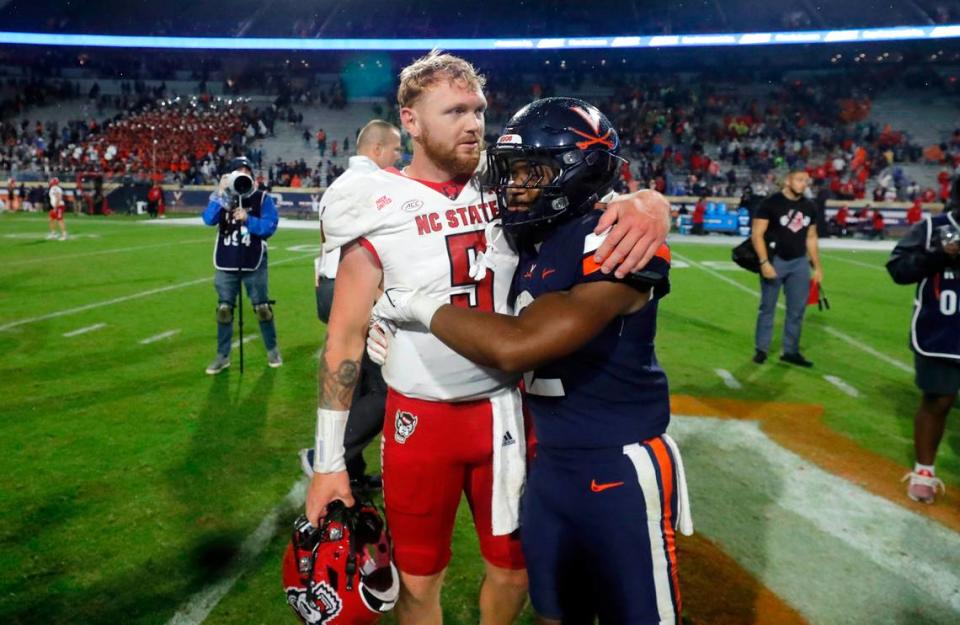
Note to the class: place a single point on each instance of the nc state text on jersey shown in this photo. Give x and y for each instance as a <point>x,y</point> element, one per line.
<point>457,217</point>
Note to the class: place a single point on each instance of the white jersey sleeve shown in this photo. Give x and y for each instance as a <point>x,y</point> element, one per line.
<point>348,212</point>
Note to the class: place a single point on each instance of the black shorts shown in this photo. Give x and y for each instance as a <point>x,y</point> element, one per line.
<point>937,376</point>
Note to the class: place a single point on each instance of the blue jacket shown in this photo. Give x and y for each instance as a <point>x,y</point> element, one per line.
<point>263,226</point>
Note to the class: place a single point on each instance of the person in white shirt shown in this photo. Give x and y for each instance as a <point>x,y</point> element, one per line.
<point>452,428</point>
<point>378,147</point>
<point>55,194</point>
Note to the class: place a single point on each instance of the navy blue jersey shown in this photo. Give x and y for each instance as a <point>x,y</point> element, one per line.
<point>935,330</point>
<point>612,391</point>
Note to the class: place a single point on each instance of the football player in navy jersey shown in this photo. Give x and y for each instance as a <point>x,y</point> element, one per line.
<point>606,491</point>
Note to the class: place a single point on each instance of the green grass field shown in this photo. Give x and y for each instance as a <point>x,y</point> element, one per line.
<point>132,481</point>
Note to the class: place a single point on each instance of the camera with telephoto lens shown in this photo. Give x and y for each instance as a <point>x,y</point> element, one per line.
<point>240,183</point>
<point>946,235</point>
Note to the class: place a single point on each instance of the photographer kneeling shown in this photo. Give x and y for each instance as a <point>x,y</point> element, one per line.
<point>245,217</point>
<point>929,256</point>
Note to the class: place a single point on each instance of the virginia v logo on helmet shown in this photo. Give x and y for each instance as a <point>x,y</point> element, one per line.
<point>555,159</point>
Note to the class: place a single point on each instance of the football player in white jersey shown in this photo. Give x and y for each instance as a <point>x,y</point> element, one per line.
<point>55,194</point>
<point>452,428</point>
<point>378,146</point>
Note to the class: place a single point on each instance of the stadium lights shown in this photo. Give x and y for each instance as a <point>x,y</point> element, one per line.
<point>900,33</point>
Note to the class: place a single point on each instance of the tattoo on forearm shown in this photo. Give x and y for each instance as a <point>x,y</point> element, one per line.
<point>337,386</point>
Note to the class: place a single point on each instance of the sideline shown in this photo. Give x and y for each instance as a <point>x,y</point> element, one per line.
<point>857,245</point>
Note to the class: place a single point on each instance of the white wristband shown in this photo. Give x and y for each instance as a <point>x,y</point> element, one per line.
<point>424,308</point>
<point>328,450</point>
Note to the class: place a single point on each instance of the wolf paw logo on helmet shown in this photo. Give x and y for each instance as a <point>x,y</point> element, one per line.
<point>341,573</point>
<point>324,606</point>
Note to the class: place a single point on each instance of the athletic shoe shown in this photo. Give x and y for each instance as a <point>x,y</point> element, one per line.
<point>52,235</point>
<point>274,359</point>
<point>923,486</point>
<point>760,357</point>
<point>306,461</point>
<point>796,359</point>
<point>218,365</point>
<point>63,237</point>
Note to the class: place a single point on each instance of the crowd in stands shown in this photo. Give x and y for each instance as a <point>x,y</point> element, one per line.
<point>711,135</point>
<point>178,139</point>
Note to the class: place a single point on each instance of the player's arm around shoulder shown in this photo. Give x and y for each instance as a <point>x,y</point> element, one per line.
<point>358,279</point>
<point>638,225</point>
<point>554,324</point>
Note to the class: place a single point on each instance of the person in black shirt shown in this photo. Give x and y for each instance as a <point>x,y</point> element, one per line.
<point>787,246</point>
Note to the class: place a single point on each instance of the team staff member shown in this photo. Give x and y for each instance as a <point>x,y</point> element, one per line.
<point>244,223</point>
<point>56,210</point>
<point>929,256</point>
<point>378,147</point>
<point>788,247</point>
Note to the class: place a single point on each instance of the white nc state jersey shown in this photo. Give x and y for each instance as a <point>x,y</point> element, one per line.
<point>56,196</point>
<point>427,241</point>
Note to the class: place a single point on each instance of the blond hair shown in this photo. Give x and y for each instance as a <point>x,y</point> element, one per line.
<point>430,69</point>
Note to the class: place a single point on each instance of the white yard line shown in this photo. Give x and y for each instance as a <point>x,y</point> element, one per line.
<point>118,250</point>
<point>196,609</point>
<point>80,331</point>
<point>127,298</point>
<point>159,337</point>
<point>842,385</point>
<point>843,336</point>
<point>858,263</point>
<point>728,379</point>
<point>246,340</point>
<point>893,362</point>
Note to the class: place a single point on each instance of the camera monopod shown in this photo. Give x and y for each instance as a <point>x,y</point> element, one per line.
<point>240,316</point>
<point>240,287</point>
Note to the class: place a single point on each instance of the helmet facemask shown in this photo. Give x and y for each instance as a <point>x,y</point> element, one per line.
<point>558,185</point>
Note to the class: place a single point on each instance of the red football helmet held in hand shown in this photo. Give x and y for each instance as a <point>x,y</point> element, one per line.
<point>341,573</point>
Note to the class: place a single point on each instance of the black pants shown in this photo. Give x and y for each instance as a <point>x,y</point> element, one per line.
<point>369,398</point>
<point>697,229</point>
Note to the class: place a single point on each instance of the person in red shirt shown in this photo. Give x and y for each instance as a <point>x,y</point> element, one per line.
<point>879,228</point>
<point>155,201</point>
<point>698,215</point>
<point>915,213</point>
<point>843,215</point>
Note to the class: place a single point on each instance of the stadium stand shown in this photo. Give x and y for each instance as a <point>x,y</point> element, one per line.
<point>372,18</point>
<point>687,134</point>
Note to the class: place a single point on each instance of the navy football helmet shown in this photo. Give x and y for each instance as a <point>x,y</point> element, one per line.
<point>570,153</point>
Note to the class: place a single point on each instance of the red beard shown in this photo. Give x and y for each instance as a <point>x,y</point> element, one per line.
<point>448,159</point>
